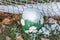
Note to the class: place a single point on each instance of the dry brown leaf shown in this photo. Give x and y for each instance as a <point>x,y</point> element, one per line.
<point>44,39</point>
<point>8,38</point>
<point>19,38</point>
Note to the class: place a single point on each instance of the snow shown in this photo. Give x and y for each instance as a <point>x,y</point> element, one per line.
<point>31,15</point>
<point>48,9</point>
<point>22,22</point>
<point>32,29</point>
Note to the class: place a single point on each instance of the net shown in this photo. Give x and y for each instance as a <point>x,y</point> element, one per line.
<point>17,6</point>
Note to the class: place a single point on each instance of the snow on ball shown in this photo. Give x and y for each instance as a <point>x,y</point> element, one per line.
<point>33,29</point>
<point>31,14</point>
<point>22,22</point>
<point>32,20</point>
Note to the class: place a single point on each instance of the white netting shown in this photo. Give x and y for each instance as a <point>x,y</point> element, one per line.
<point>18,6</point>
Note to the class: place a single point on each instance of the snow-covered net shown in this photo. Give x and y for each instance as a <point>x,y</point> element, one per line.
<point>18,6</point>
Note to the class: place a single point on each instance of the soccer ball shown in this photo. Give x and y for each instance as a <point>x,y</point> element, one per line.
<point>32,19</point>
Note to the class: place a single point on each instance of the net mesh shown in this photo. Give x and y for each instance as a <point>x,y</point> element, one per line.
<point>18,2</point>
<point>17,6</point>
